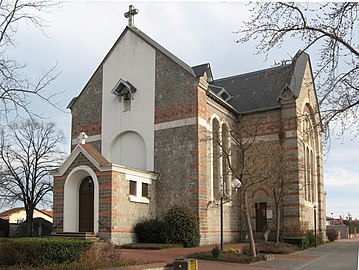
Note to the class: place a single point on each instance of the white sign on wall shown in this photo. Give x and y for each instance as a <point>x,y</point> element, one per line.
<point>269,213</point>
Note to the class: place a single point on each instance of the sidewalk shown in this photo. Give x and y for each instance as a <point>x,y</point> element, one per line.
<point>300,259</point>
<point>158,258</point>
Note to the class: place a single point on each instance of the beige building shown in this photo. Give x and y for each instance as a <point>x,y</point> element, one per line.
<point>18,215</point>
<point>150,132</point>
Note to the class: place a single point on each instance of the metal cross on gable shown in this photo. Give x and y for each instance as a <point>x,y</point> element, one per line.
<point>130,15</point>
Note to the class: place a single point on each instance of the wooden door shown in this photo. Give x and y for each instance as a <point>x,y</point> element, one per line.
<point>86,205</point>
<point>261,216</point>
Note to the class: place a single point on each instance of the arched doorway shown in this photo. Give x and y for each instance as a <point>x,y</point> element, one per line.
<point>86,205</point>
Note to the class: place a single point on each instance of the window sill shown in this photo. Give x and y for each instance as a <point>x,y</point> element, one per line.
<point>138,200</point>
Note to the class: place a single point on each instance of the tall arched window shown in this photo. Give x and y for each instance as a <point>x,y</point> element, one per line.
<point>309,158</point>
<point>225,158</point>
<point>216,171</point>
<point>309,176</point>
<point>313,177</point>
<point>305,172</point>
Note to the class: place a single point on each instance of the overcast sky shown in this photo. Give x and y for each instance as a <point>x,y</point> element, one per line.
<point>81,33</point>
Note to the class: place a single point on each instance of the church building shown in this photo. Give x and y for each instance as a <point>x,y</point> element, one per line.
<point>144,138</point>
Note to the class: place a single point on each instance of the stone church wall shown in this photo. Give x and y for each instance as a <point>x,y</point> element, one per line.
<point>124,214</point>
<point>176,144</point>
<point>276,137</point>
<point>209,208</point>
<point>306,102</point>
<point>87,111</point>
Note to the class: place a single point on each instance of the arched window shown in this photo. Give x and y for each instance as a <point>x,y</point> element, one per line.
<point>308,169</point>
<point>225,159</point>
<point>216,171</point>
<point>305,172</point>
<point>309,158</point>
<point>313,177</point>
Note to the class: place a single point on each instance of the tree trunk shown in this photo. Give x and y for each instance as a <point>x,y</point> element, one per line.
<point>29,220</point>
<point>252,245</point>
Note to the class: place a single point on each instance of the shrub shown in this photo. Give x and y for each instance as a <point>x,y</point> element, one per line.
<point>233,257</point>
<point>216,252</point>
<point>150,231</point>
<point>18,252</point>
<point>276,248</point>
<point>40,227</point>
<point>181,227</point>
<point>35,252</point>
<point>4,228</point>
<point>231,250</point>
<point>101,253</point>
<point>332,234</point>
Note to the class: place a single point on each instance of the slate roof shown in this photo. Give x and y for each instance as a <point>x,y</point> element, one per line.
<point>201,70</point>
<point>261,90</point>
<point>254,91</point>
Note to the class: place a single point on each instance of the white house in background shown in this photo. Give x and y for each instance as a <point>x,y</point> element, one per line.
<point>18,215</point>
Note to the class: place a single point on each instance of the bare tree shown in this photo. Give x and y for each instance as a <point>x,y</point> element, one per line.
<point>248,162</point>
<point>28,151</point>
<point>328,28</point>
<point>279,185</point>
<point>16,88</point>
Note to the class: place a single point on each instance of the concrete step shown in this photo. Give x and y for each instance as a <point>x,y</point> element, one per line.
<point>76,235</point>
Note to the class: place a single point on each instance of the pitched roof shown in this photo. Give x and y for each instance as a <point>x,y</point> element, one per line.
<point>261,90</point>
<point>254,91</point>
<point>92,151</point>
<point>149,41</point>
<point>6,214</point>
<point>203,69</point>
<point>157,46</point>
<point>50,213</point>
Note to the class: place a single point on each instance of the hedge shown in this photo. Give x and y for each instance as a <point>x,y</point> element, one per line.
<point>150,231</point>
<point>39,251</point>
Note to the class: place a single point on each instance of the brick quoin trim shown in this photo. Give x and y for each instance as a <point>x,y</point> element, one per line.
<point>199,190</point>
<point>109,186</point>
<point>110,214</point>
<point>109,200</point>
<point>90,129</point>
<point>176,112</point>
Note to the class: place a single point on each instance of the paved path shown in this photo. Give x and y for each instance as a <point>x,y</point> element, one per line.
<point>169,255</point>
<point>342,254</point>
